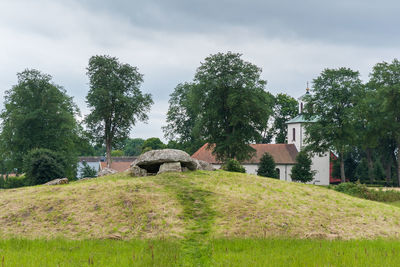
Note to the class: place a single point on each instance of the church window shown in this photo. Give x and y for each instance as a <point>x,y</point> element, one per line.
<point>301,107</point>
<point>294,134</point>
<point>278,171</point>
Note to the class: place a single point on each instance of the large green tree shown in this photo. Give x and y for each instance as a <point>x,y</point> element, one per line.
<point>385,78</point>
<point>285,108</point>
<point>38,114</point>
<point>233,105</point>
<point>182,119</point>
<point>331,107</point>
<point>133,147</point>
<point>115,100</point>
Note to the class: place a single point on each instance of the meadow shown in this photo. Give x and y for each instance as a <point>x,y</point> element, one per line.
<point>194,219</point>
<point>219,252</point>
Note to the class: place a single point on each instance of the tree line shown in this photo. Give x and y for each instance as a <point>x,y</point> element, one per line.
<point>226,104</point>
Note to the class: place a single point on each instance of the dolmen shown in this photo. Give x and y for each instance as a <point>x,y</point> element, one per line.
<point>166,160</point>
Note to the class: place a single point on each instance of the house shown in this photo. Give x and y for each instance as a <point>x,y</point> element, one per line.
<point>283,154</point>
<point>120,164</point>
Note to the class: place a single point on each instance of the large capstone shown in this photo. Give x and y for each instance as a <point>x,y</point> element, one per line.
<point>166,160</point>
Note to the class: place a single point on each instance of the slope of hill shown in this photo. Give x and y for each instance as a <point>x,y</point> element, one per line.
<point>176,205</point>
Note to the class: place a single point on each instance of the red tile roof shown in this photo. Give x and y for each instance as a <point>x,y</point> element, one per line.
<point>118,166</point>
<point>282,153</point>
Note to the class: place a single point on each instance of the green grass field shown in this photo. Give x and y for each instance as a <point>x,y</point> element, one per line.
<point>220,252</point>
<point>194,219</point>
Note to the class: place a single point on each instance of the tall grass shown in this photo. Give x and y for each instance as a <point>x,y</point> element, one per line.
<point>362,191</point>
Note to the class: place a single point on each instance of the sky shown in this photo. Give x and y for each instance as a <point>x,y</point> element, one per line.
<point>292,41</point>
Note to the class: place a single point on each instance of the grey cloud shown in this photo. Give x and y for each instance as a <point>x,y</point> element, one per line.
<point>352,21</point>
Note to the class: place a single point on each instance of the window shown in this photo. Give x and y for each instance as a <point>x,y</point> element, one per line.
<point>278,171</point>
<point>294,134</point>
<point>301,107</point>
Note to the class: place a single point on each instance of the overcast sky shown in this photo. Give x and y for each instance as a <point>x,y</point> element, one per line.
<point>292,41</point>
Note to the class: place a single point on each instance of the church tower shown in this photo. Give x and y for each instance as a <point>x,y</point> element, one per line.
<point>296,135</point>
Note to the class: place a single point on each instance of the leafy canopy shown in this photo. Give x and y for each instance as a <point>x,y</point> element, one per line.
<point>38,114</point>
<point>233,107</point>
<point>115,100</point>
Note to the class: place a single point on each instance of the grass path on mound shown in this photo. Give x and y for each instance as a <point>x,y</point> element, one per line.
<point>198,216</point>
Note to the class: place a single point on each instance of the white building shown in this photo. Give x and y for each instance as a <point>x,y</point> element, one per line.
<point>297,134</point>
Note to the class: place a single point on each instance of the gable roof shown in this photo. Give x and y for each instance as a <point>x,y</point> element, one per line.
<point>119,166</point>
<point>282,153</point>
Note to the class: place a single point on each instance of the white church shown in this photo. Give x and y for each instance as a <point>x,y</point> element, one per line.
<point>283,154</point>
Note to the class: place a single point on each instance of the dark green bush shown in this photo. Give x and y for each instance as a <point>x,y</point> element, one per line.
<point>362,191</point>
<point>43,165</point>
<point>267,167</point>
<point>13,182</point>
<point>233,165</point>
<point>87,171</point>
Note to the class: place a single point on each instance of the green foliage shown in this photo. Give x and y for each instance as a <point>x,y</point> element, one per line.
<point>182,128</point>
<point>13,181</point>
<point>225,105</point>
<point>43,165</point>
<point>117,153</point>
<point>115,100</point>
<point>88,171</point>
<point>362,191</point>
<point>301,171</point>
<point>233,165</point>
<point>336,92</point>
<point>285,108</point>
<point>38,114</point>
<point>133,147</point>
<point>385,79</point>
<point>361,172</point>
<point>152,144</point>
<point>267,167</point>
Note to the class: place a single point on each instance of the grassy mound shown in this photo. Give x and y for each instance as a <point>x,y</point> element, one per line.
<point>195,207</point>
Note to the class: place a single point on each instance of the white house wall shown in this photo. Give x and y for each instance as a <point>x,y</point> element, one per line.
<point>284,170</point>
<point>300,135</point>
<point>321,166</point>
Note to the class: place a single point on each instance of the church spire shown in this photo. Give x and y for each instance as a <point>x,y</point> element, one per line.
<point>307,89</point>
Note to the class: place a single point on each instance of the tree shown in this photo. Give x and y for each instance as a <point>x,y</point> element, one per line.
<point>331,108</point>
<point>38,114</point>
<point>232,104</point>
<point>133,147</point>
<point>285,108</point>
<point>267,167</point>
<point>232,165</point>
<point>152,143</point>
<point>43,165</point>
<point>87,171</point>
<point>385,77</point>
<point>117,153</point>
<point>301,171</point>
<point>115,100</point>
<point>182,119</point>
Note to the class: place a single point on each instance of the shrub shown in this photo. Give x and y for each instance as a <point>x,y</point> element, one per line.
<point>301,171</point>
<point>43,165</point>
<point>88,171</point>
<point>267,167</point>
<point>362,191</point>
<point>13,181</point>
<point>233,165</point>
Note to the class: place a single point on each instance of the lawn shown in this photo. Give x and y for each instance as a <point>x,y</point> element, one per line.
<point>220,252</point>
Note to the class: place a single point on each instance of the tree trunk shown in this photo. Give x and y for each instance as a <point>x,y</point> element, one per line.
<point>342,174</point>
<point>368,152</point>
<point>108,153</point>
<point>388,171</point>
